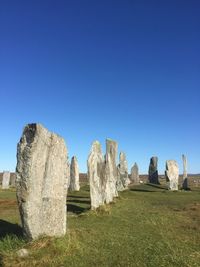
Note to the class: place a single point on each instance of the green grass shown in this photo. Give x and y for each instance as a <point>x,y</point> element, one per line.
<point>147,226</point>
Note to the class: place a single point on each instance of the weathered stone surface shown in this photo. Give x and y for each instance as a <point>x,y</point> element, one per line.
<point>110,170</point>
<point>95,165</point>
<point>107,183</point>
<point>74,175</point>
<point>185,178</point>
<point>135,174</point>
<point>41,175</point>
<point>67,179</point>
<point>153,171</point>
<point>122,173</point>
<point>172,174</point>
<point>6,180</point>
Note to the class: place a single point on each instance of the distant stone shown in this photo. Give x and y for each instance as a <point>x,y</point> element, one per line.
<point>122,176</point>
<point>135,174</point>
<point>172,174</point>
<point>22,253</point>
<point>95,165</point>
<point>153,171</point>
<point>74,175</point>
<point>6,180</point>
<point>185,178</point>
<point>12,179</point>
<point>110,171</point>
<point>41,175</point>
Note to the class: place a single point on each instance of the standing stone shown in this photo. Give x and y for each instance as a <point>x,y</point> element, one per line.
<point>135,174</point>
<point>74,175</point>
<point>67,179</point>
<point>172,174</point>
<point>122,176</point>
<point>95,165</point>
<point>107,185</point>
<point>12,179</point>
<point>6,180</point>
<point>153,171</point>
<point>110,170</point>
<point>41,175</point>
<point>185,178</point>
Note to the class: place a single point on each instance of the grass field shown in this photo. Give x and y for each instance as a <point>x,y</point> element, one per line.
<point>147,226</point>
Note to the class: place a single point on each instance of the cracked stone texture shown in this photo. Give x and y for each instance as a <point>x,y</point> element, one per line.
<point>153,171</point>
<point>74,175</point>
<point>41,175</point>
<point>6,180</point>
<point>96,168</point>
<point>172,174</point>
<point>135,174</point>
<point>122,173</point>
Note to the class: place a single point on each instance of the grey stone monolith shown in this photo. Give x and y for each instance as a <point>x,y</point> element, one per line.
<point>67,178</point>
<point>172,174</point>
<point>41,175</point>
<point>122,173</point>
<point>12,179</point>
<point>95,164</point>
<point>135,174</point>
<point>6,180</point>
<point>110,170</point>
<point>153,171</point>
<point>74,175</point>
<point>185,177</point>
<point>107,182</point>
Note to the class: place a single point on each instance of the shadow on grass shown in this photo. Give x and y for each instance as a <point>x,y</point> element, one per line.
<point>7,228</point>
<point>79,201</point>
<point>76,209</point>
<point>142,190</point>
<point>75,196</point>
<point>157,186</point>
<point>149,188</point>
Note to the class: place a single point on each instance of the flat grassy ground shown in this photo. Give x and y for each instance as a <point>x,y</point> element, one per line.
<point>147,226</point>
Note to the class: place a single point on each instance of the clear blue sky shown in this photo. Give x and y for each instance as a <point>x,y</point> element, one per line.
<point>88,70</point>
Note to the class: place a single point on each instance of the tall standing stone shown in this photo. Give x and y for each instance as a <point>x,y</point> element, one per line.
<point>67,178</point>
<point>95,165</point>
<point>74,175</point>
<point>153,171</point>
<point>41,175</point>
<point>172,174</point>
<point>107,182</point>
<point>6,180</point>
<point>111,170</point>
<point>185,178</point>
<point>122,178</point>
<point>135,174</point>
